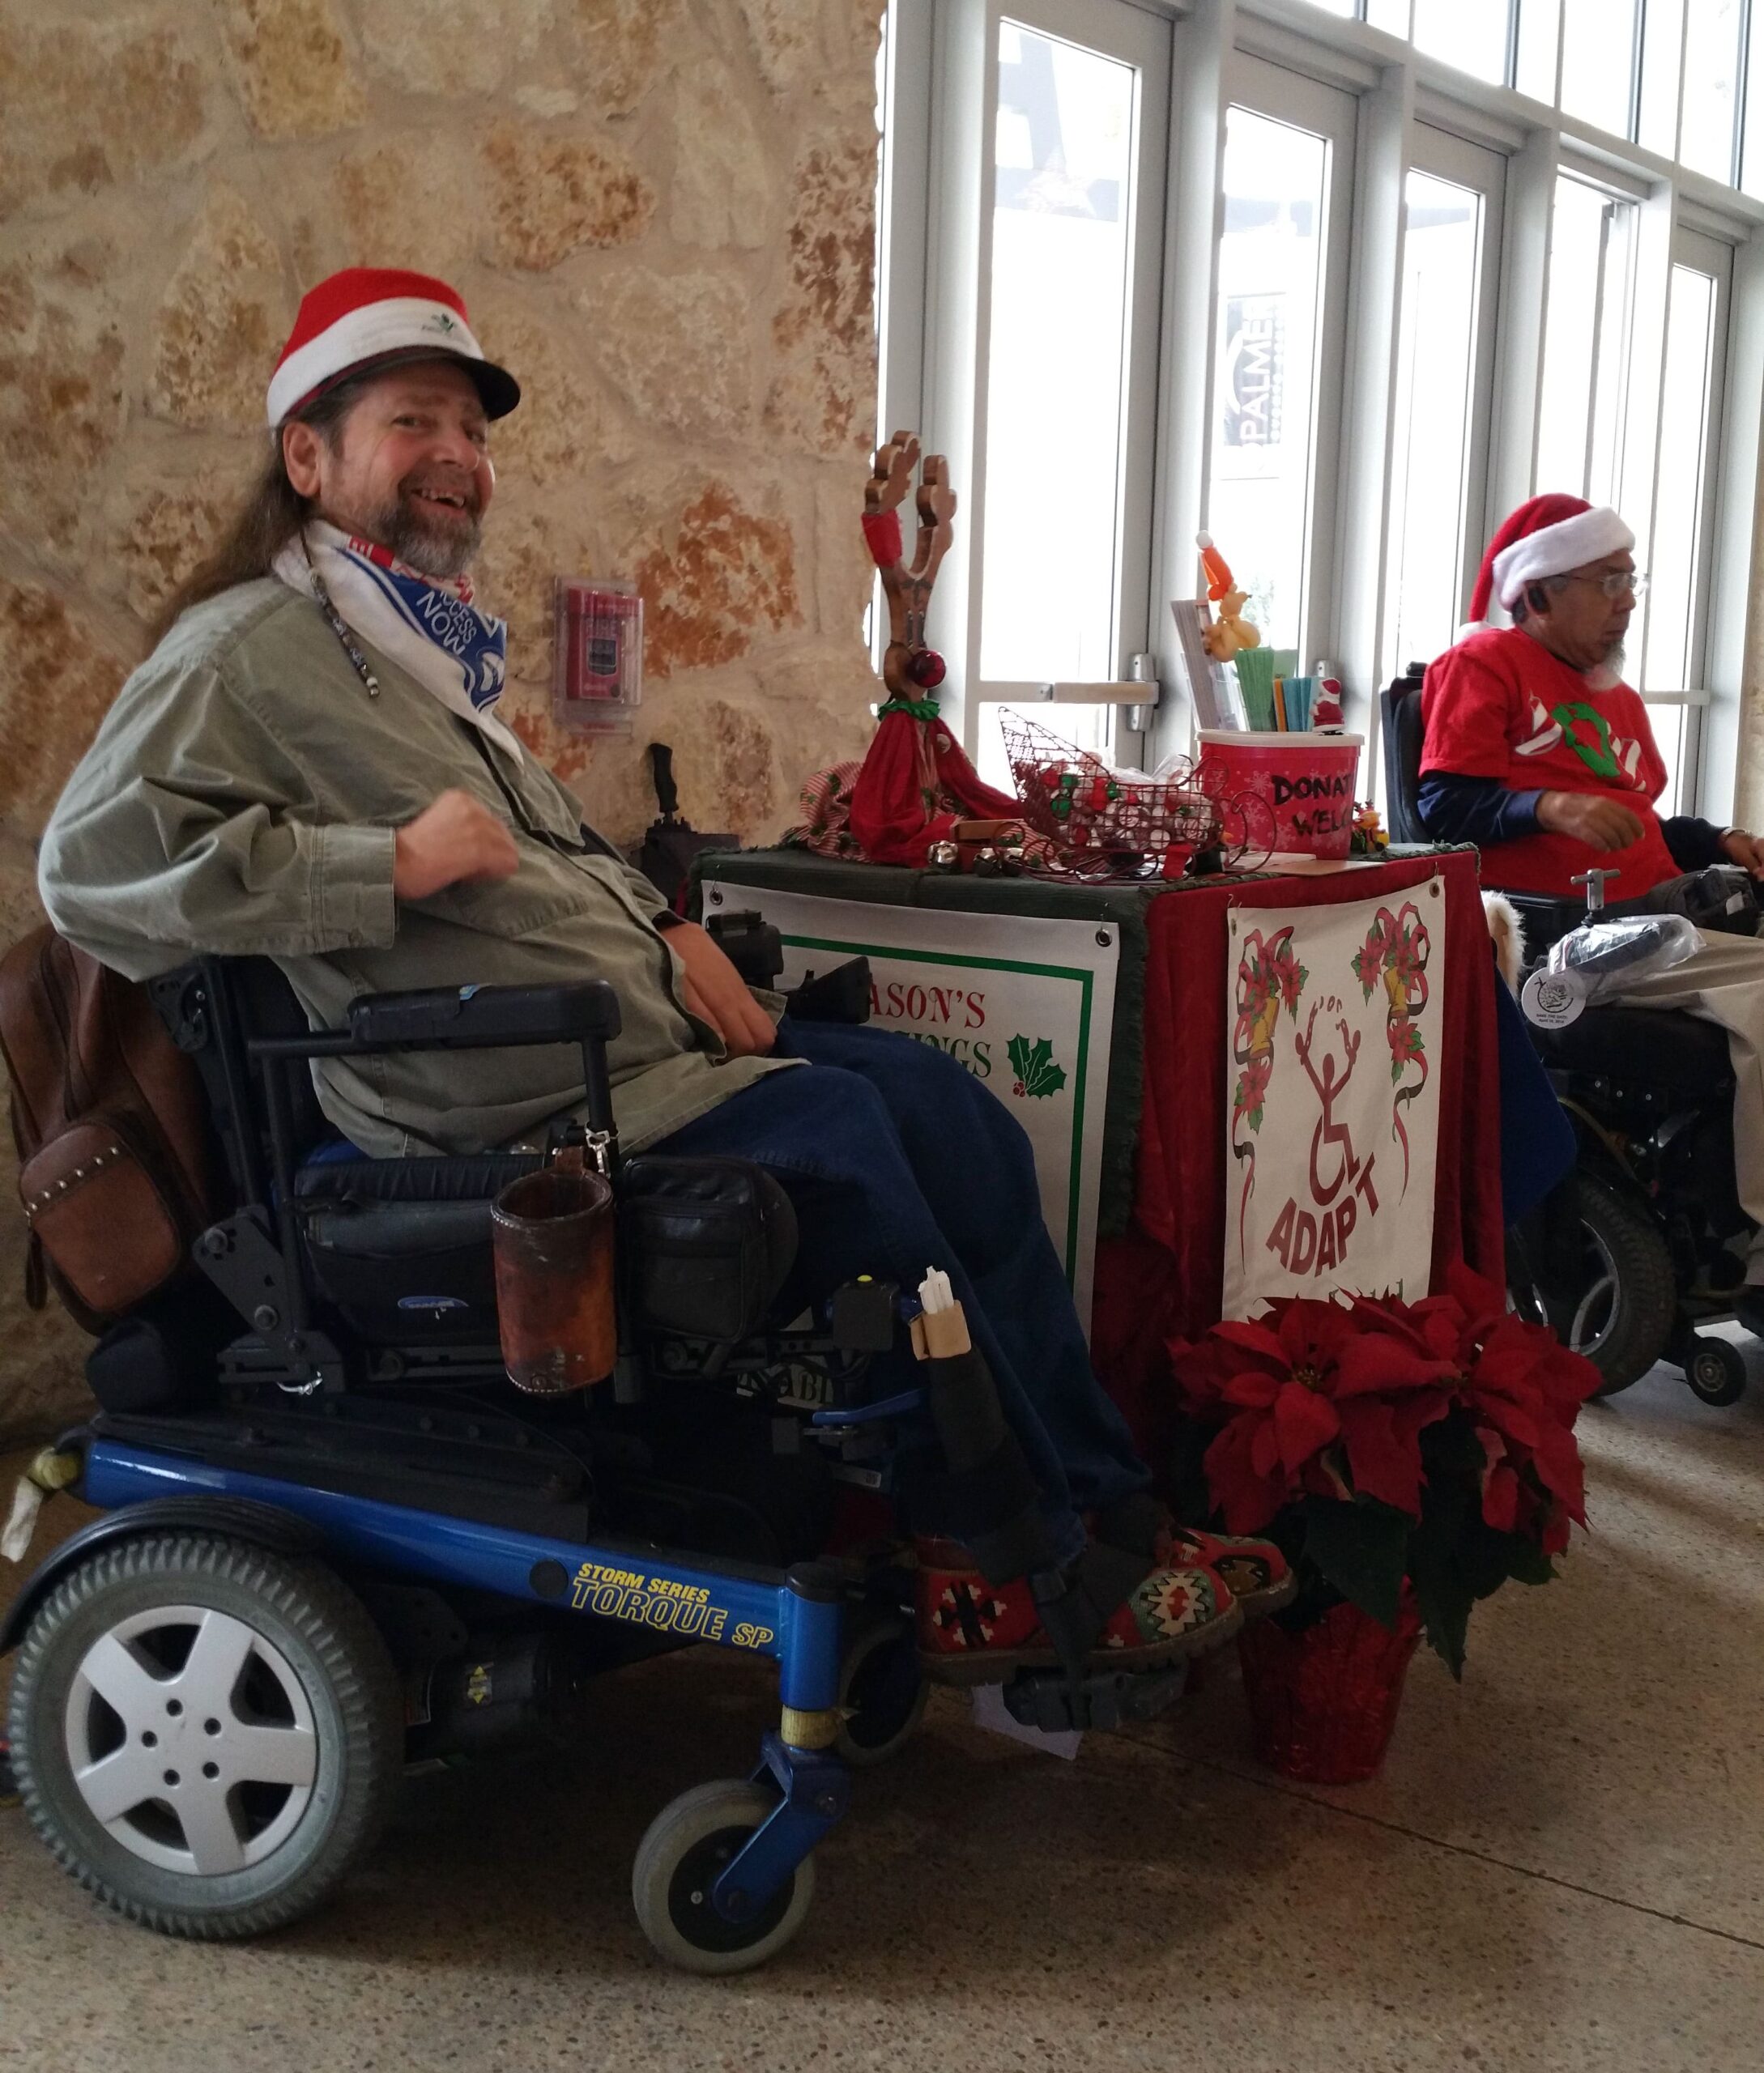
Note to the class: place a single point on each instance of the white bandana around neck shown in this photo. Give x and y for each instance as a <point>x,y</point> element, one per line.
<point>429,625</point>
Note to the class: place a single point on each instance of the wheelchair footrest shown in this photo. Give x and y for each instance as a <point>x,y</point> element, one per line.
<point>1053,1702</point>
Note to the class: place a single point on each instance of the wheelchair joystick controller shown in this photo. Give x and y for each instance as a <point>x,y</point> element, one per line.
<point>1594,881</point>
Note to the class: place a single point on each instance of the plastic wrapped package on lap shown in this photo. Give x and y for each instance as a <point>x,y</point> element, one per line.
<point>1600,959</point>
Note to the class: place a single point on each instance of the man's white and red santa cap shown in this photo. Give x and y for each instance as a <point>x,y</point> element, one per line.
<point>1546,536</point>
<point>373,317</point>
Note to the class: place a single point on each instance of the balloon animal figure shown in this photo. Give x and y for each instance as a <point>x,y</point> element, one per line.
<point>1231,631</point>
<point>909,669</point>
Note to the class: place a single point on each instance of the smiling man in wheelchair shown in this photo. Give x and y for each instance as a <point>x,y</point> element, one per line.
<point>1537,751</point>
<point>310,767</point>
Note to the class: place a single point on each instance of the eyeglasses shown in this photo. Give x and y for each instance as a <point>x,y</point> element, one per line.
<point>1616,583</point>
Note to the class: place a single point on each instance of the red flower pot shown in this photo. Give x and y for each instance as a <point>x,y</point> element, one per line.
<point>1323,1701</point>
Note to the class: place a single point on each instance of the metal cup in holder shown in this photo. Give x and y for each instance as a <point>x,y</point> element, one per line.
<point>552,1234</point>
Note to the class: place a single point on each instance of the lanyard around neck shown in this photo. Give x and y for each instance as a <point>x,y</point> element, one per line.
<point>338,623</point>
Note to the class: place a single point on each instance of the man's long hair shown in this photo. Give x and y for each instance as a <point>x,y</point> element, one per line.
<point>272,513</point>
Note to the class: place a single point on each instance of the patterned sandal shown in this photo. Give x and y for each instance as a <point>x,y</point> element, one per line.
<point>972,1632</point>
<point>1256,1573</point>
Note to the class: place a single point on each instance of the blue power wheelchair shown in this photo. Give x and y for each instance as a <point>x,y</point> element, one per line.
<point>336,1540</point>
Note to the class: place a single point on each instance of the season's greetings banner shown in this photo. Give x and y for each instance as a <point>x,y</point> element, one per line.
<point>1333,1021</point>
<point>1023,1003</point>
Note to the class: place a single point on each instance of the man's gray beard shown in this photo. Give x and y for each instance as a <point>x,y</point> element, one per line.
<point>404,531</point>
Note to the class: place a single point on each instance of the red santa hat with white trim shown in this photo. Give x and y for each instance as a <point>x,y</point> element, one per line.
<point>374,316</point>
<point>1547,536</point>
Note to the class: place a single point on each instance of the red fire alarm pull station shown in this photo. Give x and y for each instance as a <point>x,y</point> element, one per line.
<point>597,672</point>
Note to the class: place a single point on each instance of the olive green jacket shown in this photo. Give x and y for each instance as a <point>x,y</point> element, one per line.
<point>241,796</point>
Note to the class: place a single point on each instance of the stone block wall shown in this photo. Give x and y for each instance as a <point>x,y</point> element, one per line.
<point>661,215</point>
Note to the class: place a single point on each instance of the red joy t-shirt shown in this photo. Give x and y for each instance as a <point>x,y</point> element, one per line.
<point>1499,705</point>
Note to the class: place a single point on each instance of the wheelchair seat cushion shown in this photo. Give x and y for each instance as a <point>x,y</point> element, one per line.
<point>1678,1056</point>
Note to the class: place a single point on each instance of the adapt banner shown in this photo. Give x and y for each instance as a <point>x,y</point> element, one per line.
<point>1025,1004</point>
<point>1334,1016</point>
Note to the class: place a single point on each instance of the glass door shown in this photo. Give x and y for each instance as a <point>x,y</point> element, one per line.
<point>1067,403</point>
<point>1278,335</point>
<point>1452,201</point>
<point>1675,629</point>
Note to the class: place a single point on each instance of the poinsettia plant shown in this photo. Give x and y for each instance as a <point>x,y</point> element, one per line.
<point>1388,1446</point>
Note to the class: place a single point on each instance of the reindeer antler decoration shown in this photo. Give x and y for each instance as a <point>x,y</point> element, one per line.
<point>909,667</point>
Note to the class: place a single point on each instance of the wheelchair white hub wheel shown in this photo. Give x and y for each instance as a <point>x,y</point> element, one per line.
<point>206,1769</point>
<point>205,1733</point>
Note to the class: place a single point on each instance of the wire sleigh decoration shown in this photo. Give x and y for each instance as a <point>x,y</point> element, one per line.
<point>1103,823</point>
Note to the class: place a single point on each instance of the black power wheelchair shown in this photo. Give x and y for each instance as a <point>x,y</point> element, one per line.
<point>1645,1240</point>
<point>336,1540</point>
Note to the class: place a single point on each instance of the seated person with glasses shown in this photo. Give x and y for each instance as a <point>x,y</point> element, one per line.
<point>1535,750</point>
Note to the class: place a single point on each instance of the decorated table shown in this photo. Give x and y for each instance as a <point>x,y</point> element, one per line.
<point>1237,1087</point>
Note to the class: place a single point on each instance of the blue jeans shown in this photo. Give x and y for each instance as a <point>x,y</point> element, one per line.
<point>896,1160</point>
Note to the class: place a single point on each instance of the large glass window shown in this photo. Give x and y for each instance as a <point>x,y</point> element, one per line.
<point>1064,158</point>
<point>1598,57</point>
<point>1267,344</point>
<point>1712,85</point>
<point>1580,428</point>
<point>1751,156</point>
<point>1684,458</point>
<point>1663,39</point>
<point>1435,408</point>
<point>1471,34</point>
<point>1539,33</point>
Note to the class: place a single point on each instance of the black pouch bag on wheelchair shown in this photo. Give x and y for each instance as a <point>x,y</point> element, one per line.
<point>710,1242</point>
<point>1722,897</point>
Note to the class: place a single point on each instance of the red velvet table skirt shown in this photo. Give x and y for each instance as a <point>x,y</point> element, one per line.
<point>1163,1279</point>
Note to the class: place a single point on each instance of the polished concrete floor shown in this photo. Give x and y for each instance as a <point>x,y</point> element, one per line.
<point>1562,1868</point>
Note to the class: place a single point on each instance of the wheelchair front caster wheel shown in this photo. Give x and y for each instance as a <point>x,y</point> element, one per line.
<point>681,1858</point>
<point>882,1692</point>
<point>1715,1372</point>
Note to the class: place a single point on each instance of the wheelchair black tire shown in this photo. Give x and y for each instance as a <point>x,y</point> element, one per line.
<point>882,1692</point>
<point>680,1855</point>
<point>1646,1288</point>
<point>314,1627</point>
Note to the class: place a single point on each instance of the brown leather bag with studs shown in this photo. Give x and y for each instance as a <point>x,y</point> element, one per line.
<point>111,1127</point>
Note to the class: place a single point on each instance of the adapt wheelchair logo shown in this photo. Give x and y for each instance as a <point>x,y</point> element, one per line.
<point>660,1602</point>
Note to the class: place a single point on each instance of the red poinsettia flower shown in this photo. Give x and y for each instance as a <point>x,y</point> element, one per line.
<point>1406,959</point>
<point>1310,1377</point>
<point>1252,1088</point>
<point>1404,1039</point>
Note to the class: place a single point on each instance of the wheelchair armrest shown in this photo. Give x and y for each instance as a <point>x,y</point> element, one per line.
<point>477,1018</point>
<point>461,1019</point>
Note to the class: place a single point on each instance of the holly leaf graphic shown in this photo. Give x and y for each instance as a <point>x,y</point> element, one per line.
<point>1036,1072</point>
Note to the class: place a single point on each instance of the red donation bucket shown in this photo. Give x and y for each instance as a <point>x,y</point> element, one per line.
<point>1308,779</point>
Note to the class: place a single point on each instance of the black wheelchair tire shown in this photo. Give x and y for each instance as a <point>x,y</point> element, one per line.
<point>882,1692</point>
<point>317,1631</point>
<point>1647,1300</point>
<point>1715,1371</point>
